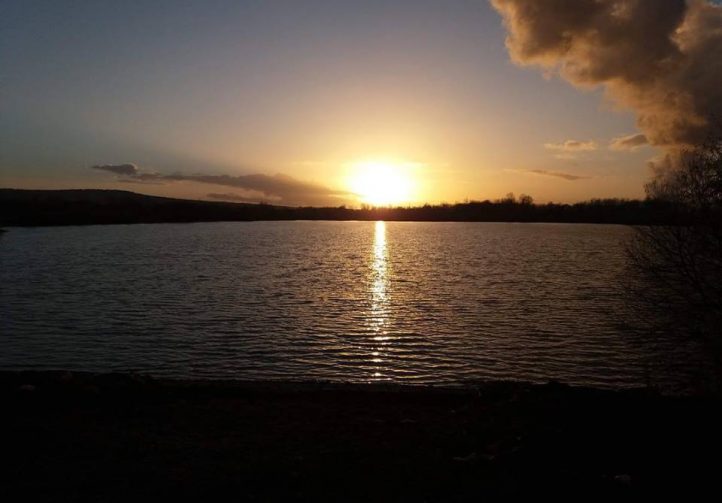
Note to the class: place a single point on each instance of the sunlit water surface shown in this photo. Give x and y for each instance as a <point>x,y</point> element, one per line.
<point>433,303</point>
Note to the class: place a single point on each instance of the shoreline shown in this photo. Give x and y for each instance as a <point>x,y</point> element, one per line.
<point>113,437</point>
<point>40,208</point>
<point>7,227</point>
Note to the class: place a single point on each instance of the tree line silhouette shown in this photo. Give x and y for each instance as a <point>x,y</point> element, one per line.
<point>85,207</point>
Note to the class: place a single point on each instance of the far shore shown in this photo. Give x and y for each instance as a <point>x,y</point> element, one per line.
<point>119,437</point>
<point>35,208</point>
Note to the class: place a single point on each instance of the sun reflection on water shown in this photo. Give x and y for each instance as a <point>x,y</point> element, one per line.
<point>380,279</point>
<point>378,316</point>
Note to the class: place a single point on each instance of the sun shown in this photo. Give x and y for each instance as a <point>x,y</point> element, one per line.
<point>381,182</point>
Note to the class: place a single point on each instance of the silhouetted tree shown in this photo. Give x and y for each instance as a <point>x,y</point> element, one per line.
<point>526,199</point>
<point>679,264</point>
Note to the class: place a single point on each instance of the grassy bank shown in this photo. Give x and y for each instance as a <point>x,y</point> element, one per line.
<point>116,438</point>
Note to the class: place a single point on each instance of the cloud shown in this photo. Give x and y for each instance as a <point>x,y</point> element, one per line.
<point>661,165</point>
<point>239,198</point>
<point>660,59</point>
<point>630,142</point>
<point>279,188</point>
<point>557,174</point>
<point>572,146</point>
<point>119,169</point>
<point>130,180</point>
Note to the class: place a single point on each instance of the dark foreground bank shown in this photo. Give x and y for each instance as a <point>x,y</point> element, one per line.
<point>120,438</point>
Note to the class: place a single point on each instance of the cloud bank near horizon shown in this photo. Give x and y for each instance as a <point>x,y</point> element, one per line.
<point>277,189</point>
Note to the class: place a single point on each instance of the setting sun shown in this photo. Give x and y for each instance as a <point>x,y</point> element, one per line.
<point>381,182</point>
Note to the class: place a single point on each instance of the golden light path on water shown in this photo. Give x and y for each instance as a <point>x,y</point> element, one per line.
<point>378,316</point>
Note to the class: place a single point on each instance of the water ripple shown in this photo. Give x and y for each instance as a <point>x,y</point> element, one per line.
<point>352,301</point>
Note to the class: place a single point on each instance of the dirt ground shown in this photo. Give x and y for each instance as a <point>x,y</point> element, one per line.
<point>83,437</point>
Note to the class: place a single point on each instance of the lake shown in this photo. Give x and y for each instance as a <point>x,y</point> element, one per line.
<point>406,302</point>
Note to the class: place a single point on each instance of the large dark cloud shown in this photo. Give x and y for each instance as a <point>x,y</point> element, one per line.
<point>279,189</point>
<point>660,58</point>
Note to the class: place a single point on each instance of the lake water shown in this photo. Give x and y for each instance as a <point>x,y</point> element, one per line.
<point>344,301</point>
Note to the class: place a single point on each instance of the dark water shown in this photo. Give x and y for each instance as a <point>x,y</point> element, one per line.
<point>355,301</point>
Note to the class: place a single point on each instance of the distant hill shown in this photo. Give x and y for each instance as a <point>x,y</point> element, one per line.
<point>85,207</point>
<point>82,207</point>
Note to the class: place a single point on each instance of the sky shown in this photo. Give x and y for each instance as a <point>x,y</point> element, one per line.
<point>295,103</point>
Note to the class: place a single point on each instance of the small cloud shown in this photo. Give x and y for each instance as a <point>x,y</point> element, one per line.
<point>572,146</point>
<point>557,174</point>
<point>567,156</point>
<point>139,181</point>
<point>119,169</point>
<point>630,142</point>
